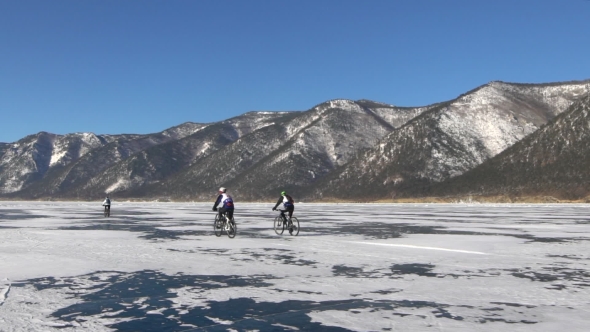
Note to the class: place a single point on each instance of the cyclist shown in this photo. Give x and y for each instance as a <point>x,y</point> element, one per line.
<point>288,205</point>
<point>228,204</point>
<point>107,204</point>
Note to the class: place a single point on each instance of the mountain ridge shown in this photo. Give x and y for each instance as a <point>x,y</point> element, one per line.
<point>360,150</point>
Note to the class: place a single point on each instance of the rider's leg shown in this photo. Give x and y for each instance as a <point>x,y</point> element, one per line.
<point>289,209</point>
<point>223,211</point>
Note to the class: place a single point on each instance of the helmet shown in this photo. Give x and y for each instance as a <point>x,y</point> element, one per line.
<point>283,193</point>
<point>222,189</point>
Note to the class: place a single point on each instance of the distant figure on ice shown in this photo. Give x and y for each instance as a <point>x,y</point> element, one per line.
<point>288,205</point>
<point>227,202</point>
<point>107,205</point>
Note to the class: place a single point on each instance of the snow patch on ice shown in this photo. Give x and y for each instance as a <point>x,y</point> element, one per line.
<point>422,247</point>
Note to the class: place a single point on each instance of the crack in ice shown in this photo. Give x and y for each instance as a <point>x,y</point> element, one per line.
<point>4,294</point>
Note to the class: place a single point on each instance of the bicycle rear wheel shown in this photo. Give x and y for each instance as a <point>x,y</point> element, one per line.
<point>294,227</point>
<point>232,229</point>
<point>217,226</point>
<point>279,225</point>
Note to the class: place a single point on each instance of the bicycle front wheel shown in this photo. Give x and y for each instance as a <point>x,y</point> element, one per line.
<point>294,227</point>
<point>217,226</point>
<point>232,229</point>
<point>279,225</point>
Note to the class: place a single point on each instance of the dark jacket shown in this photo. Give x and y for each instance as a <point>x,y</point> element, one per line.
<point>227,200</point>
<point>287,202</point>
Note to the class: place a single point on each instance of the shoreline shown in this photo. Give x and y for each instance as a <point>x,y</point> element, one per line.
<point>429,200</point>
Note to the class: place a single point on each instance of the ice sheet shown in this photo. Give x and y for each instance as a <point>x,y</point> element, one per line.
<point>353,267</point>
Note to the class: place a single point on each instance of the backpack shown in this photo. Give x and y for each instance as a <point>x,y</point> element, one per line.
<point>228,202</point>
<point>290,199</point>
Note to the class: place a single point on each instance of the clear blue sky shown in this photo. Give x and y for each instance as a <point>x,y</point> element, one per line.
<point>141,66</point>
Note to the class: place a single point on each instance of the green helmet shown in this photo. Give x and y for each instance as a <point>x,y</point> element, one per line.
<point>283,193</point>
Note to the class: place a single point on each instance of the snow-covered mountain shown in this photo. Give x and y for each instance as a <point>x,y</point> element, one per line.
<point>117,165</point>
<point>553,161</point>
<point>338,149</point>
<point>44,164</point>
<point>289,154</point>
<point>450,139</point>
<point>157,163</point>
<point>28,160</point>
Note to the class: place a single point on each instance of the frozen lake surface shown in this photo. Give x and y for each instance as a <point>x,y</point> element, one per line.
<point>353,267</point>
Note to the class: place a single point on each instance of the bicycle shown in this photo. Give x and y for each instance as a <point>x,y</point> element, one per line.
<point>281,223</point>
<point>107,211</point>
<point>223,224</point>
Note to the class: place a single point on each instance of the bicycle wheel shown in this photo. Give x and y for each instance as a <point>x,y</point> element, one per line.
<point>232,229</point>
<point>294,227</point>
<point>217,226</point>
<point>279,225</point>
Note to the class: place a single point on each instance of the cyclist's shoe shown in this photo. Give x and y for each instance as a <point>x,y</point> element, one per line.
<point>291,230</point>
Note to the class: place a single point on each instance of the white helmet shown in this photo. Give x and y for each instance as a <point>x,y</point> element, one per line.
<point>222,189</point>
